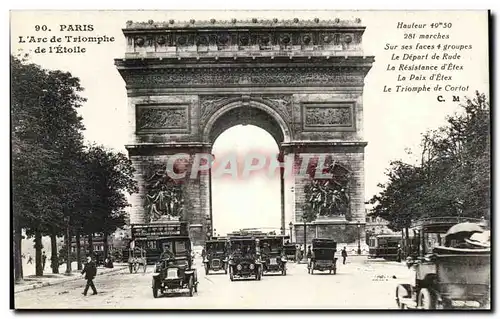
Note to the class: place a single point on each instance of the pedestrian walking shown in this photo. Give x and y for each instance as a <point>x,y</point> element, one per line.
<point>90,271</point>
<point>400,253</point>
<point>344,255</point>
<point>44,260</point>
<point>309,255</point>
<point>30,259</point>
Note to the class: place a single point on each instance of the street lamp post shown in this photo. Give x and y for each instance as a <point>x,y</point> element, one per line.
<point>304,257</point>
<point>209,227</point>
<point>359,240</point>
<point>291,227</point>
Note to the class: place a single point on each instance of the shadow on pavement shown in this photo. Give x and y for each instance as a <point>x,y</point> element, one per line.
<point>216,274</point>
<point>175,294</point>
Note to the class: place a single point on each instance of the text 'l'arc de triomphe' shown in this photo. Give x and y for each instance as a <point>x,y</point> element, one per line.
<point>301,81</point>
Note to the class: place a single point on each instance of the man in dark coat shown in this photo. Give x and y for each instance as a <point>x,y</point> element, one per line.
<point>90,271</point>
<point>44,260</point>
<point>344,255</point>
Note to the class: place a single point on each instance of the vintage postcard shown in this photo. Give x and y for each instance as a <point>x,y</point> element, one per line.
<point>250,160</point>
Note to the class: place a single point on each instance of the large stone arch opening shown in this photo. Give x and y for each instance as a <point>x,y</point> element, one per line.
<point>247,111</point>
<point>302,81</point>
<point>240,200</point>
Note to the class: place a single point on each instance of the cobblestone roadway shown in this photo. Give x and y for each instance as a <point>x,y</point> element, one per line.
<point>357,285</point>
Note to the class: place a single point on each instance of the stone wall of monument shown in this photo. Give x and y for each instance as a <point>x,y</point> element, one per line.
<point>164,119</point>
<point>353,161</point>
<point>335,116</point>
<point>195,191</point>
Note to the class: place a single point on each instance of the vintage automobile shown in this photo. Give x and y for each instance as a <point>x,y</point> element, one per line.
<point>272,255</point>
<point>244,258</point>
<point>323,256</point>
<point>215,255</point>
<point>137,259</point>
<point>174,270</point>
<point>450,271</point>
<point>290,251</point>
<point>389,246</point>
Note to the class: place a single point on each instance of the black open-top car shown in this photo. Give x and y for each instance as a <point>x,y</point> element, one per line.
<point>244,260</point>
<point>174,269</point>
<point>215,255</point>
<point>273,255</point>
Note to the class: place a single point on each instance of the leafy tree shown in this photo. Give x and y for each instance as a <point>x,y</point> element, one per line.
<point>46,134</point>
<point>453,177</point>
<point>398,202</point>
<point>110,177</point>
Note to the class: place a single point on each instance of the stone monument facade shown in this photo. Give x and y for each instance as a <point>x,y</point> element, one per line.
<point>302,81</point>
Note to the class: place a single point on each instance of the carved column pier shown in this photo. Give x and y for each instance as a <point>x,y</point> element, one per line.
<point>340,226</point>
<point>195,191</point>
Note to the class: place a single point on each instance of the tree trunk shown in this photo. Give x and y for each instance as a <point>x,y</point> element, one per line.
<point>408,242</point>
<point>78,251</point>
<point>54,260</point>
<point>68,250</point>
<point>91,245</point>
<point>18,260</point>
<point>38,253</point>
<point>105,243</point>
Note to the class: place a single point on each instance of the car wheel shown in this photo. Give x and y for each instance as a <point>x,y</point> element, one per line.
<point>155,289</point>
<point>426,300</point>
<point>401,292</point>
<point>191,286</point>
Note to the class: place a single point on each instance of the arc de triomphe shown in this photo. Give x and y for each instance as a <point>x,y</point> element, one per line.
<point>301,81</point>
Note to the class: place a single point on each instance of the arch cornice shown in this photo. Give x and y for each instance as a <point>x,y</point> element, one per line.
<point>229,104</point>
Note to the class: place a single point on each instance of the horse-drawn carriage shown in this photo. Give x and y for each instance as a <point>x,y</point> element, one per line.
<point>137,259</point>
<point>452,273</point>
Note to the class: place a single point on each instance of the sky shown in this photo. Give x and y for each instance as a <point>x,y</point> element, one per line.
<point>393,122</point>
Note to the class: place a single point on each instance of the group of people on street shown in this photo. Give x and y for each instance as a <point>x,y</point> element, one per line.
<point>89,270</point>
